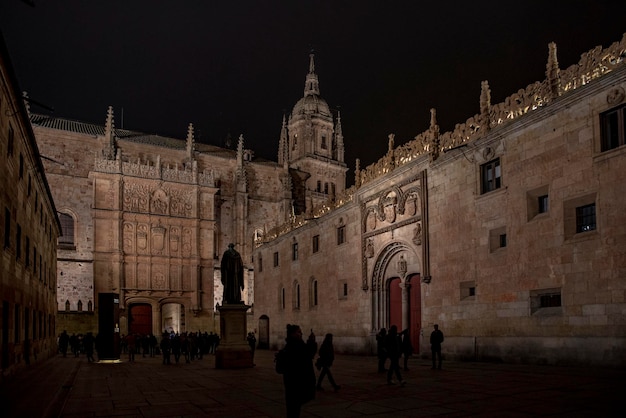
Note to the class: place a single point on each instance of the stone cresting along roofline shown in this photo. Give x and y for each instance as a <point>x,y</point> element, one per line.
<point>593,64</point>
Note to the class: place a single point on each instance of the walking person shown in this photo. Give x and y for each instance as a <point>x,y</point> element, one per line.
<point>325,361</point>
<point>166,348</point>
<point>297,368</point>
<point>381,352</point>
<point>394,350</point>
<point>88,343</point>
<point>252,343</point>
<point>407,348</point>
<point>131,343</point>
<point>436,338</point>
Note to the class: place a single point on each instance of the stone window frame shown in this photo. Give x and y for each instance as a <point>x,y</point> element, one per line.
<point>534,198</point>
<point>494,164</point>
<point>67,242</point>
<point>276,259</point>
<point>467,290</point>
<point>294,251</point>
<point>315,244</point>
<point>313,292</point>
<point>296,296</point>
<point>570,221</point>
<point>619,113</point>
<point>538,305</point>
<point>497,239</point>
<point>342,289</point>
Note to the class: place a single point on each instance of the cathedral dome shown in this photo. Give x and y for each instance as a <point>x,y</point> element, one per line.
<point>313,105</point>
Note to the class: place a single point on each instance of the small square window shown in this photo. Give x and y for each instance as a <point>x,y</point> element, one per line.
<point>342,290</point>
<point>579,216</point>
<point>546,302</point>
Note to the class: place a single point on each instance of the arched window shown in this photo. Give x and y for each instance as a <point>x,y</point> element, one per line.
<point>89,306</point>
<point>313,292</point>
<point>67,229</point>
<point>67,306</point>
<point>296,295</point>
<point>80,306</point>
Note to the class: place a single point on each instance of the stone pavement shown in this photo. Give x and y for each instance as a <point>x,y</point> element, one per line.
<point>71,387</point>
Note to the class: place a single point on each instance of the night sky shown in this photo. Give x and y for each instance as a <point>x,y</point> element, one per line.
<point>235,67</point>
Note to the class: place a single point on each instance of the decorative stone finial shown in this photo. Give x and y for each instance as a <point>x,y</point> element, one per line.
<point>485,106</point>
<point>553,73</point>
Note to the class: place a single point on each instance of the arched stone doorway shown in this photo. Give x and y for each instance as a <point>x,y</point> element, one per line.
<point>264,332</point>
<point>396,291</point>
<point>173,317</point>
<point>140,319</point>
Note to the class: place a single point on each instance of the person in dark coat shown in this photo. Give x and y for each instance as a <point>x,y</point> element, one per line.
<point>325,360</point>
<point>299,376</point>
<point>394,350</point>
<point>88,343</point>
<point>64,341</point>
<point>166,348</point>
<point>436,338</point>
<point>381,352</point>
<point>407,348</point>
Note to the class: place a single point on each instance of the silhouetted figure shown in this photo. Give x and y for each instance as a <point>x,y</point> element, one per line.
<point>381,352</point>
<point>131,343</point>
<point>64,341</point>
<point>166,348</point>
<point>88,342</point>
<point>252,343</point>
<point>407,348</point>
<point>394,350</point>
<point>436,338</point>
<point>232,275</point>
<point>325,361</point>
<point>299,376</point>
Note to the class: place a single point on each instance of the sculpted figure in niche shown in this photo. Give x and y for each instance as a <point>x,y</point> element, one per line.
<point>232,275</point>
<point>417,234</point>
<point>369,249</point>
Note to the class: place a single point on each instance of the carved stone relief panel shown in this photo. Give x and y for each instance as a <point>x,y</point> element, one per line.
<point>142,239</point>
<point>181,203</point>
<point>160,202</point>
<point>158,240</point>
<point>136,198</point>
<point>187,242</point>
<point>174,241</point>
<point>143,276</point>
<point>129,237</point>
<point>158,277</point>
<point>129,276</point>
<point>175,283</point>
<point>371,220</point>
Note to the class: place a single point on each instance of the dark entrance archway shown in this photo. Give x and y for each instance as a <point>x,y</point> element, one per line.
<point>415,312</point>
<point>140,319</point>
<point>264,332</point>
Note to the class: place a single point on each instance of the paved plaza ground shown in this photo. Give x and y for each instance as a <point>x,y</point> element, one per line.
<point>71,387</point>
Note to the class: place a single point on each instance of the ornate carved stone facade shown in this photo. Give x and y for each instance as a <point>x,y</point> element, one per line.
<point>506,231</point>
<point>151,216</point>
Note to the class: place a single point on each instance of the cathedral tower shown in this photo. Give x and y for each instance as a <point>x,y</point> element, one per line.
<point>312,146</point>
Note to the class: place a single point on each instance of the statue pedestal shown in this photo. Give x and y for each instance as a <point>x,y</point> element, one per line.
<point>233,352</point>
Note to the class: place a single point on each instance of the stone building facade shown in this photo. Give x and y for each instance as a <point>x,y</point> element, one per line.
<point>147,218</point>
<point>507,232</point>
<point>29,229</point>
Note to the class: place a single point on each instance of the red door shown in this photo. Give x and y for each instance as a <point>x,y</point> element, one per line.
<point>140,319</point>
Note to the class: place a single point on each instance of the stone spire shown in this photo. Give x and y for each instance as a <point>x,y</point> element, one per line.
<point>311,85</point>
<point>26,103</point>
<point>485,106</point>
<point>339,146</point>
<point>283,144</point>
<point>433,132</point>
<point>110,150</point>
<point>357,173</point>
<point>553,73</point>
<point>191,143</point>
<point>241,170</point>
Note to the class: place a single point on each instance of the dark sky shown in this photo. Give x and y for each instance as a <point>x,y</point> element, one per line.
<point>237,66</point>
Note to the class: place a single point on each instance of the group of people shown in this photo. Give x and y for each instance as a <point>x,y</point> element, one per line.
<point>295,362</point>
<point>77,344</point>
<point>392,345</point>
<point>188,345</point>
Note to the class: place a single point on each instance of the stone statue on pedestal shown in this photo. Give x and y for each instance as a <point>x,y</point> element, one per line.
<point>232,275</point>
